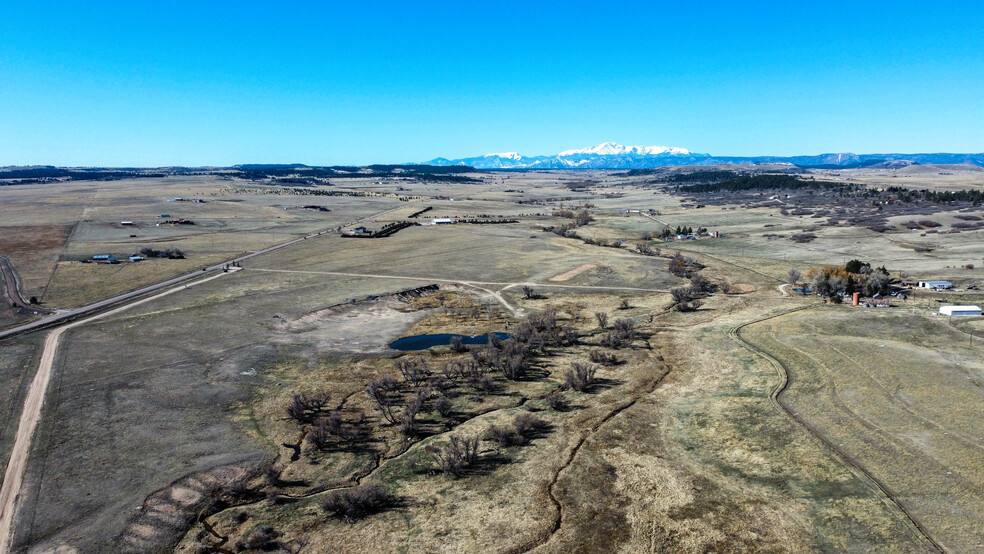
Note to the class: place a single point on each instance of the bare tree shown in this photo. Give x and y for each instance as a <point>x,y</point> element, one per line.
<point>453,371</point>
<point>414,371</point>
<point>793,276</point>
<point>408,424</point>
<point>528,292</point>
<point>384,392</point>
<point>304,408</point>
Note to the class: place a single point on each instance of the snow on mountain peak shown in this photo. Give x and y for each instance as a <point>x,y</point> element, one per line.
<point>612,149</point>
<point>506,155</point>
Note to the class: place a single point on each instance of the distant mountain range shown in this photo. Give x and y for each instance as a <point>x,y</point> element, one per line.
<point>610,155</point>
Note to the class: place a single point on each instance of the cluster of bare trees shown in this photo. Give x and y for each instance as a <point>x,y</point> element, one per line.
<point>647,250</point>
<point>684,266</point>
<point>688,298</point>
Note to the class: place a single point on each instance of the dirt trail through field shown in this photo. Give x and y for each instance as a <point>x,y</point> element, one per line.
<point>11,290</point>
<point>854,465</point>
<point>32,413</point>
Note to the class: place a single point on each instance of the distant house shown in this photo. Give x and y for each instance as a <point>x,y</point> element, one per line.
<point>442,221</point>
<point>101,257</point>
<point>126,223</point>
<point>935,285</point>
<point>958,311</point>
<point>360,231</point>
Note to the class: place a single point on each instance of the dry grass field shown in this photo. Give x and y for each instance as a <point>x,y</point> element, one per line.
<point>902,394</point>
<point>166,426</point>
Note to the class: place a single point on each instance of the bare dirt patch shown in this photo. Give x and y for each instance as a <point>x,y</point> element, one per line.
<point>366,326</point>
<point>568,275</point>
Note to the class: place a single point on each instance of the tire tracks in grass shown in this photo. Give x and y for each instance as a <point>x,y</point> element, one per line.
<point>853,465</point>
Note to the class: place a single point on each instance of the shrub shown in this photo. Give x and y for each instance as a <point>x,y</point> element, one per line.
<point>359,501</point>
<point>504,436</point>
<point>263,538</point>
<point>700,284</point>
<point>458,344</point>
<point>579,377</point>
<point>528,425</point>
<point>555,399</point>
<point>454,456</point>
<point>604,358</point>
<point>602,318</point>
<point>690,306</point>
<point>443,406</point>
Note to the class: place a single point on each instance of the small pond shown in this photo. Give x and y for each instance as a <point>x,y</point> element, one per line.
<point>423,342</point>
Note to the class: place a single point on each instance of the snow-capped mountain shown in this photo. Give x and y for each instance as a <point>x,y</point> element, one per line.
<point>608,155</point>
<point>615,149</point>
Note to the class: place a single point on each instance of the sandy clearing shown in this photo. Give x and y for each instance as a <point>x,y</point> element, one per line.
<point>568,275</point>
<point>32,412</point>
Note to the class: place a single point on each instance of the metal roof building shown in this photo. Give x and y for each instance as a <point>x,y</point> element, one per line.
<point>966,311</point>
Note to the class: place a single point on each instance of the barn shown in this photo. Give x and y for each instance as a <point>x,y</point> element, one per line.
<point>957,311</point>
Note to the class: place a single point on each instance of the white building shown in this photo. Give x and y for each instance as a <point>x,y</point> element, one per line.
<point>935,285</point>
<point>956,311</point>
<point>442,221</point>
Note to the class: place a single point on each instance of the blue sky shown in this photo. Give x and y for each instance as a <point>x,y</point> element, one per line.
<point>203,83</point>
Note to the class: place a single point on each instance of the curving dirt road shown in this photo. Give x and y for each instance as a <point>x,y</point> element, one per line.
<point>32,413</point>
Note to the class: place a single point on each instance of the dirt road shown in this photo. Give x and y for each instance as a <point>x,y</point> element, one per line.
<point>11,288</point>
<point>32,413</point>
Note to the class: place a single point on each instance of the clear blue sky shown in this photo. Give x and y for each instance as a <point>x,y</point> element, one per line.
<point>198,83</point>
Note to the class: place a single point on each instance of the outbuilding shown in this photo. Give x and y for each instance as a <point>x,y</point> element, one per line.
<point>936,285</point>
<point>442,221</point>
<point>958,311</point>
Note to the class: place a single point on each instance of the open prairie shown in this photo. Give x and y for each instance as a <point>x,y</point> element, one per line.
<point>653,395</point>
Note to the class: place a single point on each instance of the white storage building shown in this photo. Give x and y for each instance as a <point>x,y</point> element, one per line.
<point>960,310</point>
<point>935,285</point>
